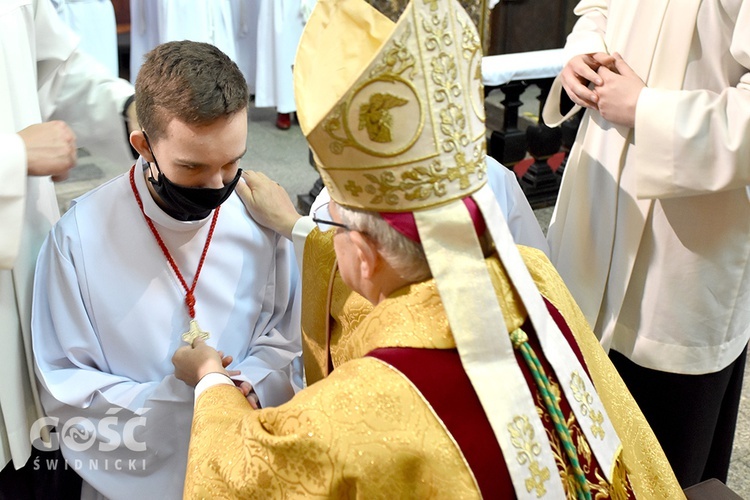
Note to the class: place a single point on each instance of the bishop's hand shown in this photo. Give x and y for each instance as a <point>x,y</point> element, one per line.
<point>193,362</point>
<point>268,203</point>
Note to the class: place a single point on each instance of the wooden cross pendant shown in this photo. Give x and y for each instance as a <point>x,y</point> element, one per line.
<point>194,332</point>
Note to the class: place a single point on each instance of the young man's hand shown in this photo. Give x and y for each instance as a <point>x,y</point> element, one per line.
<point>618,93</point>
<point>579,73</point>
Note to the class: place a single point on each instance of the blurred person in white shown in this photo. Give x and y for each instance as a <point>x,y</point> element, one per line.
<point>44,79</point>
<point>280,24</point>
<point>651,231</point>
<point>245,22</point>
<point>153,22</point>
<point>94,22</point>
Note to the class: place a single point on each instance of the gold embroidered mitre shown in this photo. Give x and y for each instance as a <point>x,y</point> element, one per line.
<point>396,118</point>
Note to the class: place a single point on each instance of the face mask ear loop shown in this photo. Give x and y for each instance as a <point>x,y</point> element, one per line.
<point>151,178</point>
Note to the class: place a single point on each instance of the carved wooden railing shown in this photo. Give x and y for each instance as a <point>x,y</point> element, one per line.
<point>535,151</point>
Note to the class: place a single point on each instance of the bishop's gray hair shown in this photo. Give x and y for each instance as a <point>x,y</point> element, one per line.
<point>405,256</point>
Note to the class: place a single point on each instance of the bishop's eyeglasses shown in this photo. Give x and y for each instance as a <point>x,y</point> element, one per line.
<point>322,217</point>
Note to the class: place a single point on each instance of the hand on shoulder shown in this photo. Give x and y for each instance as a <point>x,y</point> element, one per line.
<point>267,202</point>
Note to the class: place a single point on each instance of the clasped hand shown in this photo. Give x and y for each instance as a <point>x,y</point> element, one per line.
<point>616,87</point>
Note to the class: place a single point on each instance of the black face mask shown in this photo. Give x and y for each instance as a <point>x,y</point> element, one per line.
<point>189,203</point>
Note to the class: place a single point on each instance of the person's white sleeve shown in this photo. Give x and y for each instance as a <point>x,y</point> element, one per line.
<point>210,380</point>
<point>588,34</point>
<point>13,172</point>
<point>323,198</point>
<point>304,225</point>
<point>692,142</point>
<point>277,339</point>
<point>515,207</point>
<point>76,88</point>
<point>302,228</point>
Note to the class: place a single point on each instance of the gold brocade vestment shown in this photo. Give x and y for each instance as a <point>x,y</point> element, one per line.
<point>365,429</point>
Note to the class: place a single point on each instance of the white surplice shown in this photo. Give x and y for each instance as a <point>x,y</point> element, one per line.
<point>109,313</point>
<point>651,231</point>
<point>153,22</point>
<point>42,77</point>
<point>280,25</point>
<point>245,21</point>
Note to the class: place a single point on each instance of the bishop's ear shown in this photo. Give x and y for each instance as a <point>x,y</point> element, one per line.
<point>367,254</point>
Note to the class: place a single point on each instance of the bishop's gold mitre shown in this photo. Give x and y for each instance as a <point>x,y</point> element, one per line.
<point>394,113</point>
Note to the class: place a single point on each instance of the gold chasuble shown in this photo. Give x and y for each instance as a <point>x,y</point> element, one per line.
<point>366,430</point>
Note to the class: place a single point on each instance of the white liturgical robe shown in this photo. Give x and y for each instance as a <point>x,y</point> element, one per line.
<point>153,22</point>
<point>245,28</point>
<point>94,22</point>
<point>109,313</point>
<point>651,231</point>
<point>42,77</point>
<point>280,24</point>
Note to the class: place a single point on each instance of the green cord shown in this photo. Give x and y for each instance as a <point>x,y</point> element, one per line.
<point>520,342</point>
